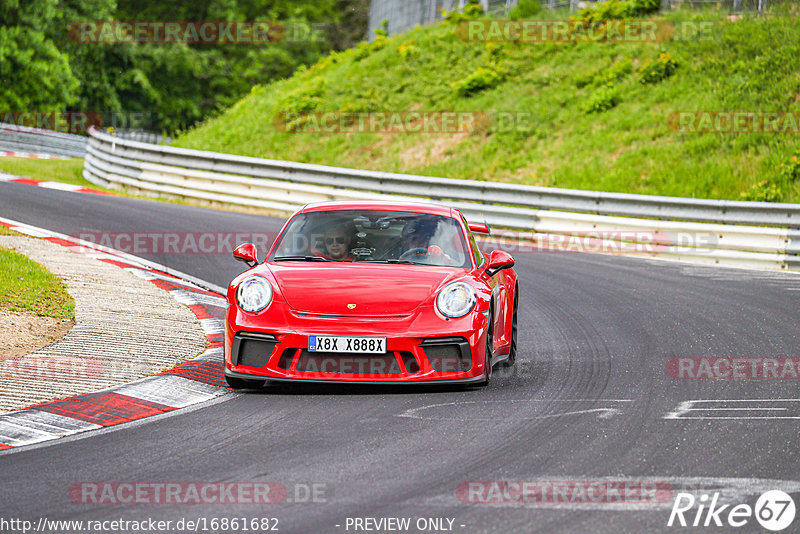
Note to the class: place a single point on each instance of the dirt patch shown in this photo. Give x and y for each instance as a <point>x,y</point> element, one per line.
<point>23,333</point>
<point>428,152</point>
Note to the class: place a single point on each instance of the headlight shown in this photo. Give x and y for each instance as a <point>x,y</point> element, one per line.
<point>254,294</point>
<point>456,299</point>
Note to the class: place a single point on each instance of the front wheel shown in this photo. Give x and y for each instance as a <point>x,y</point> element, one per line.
<point>240,383</point>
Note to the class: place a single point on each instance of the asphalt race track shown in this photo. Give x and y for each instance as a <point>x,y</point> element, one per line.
<point>589,400</point>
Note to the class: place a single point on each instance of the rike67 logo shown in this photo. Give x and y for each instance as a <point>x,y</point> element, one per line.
<point>774,510</point>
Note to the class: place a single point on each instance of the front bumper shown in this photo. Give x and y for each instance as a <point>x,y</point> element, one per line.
<point>419,349</point>
<point>244,376</point>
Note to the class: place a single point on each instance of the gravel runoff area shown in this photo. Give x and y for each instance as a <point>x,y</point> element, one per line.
<point>125,328</point>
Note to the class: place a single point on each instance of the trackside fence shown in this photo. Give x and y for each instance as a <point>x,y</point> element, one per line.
<point>734,233</point>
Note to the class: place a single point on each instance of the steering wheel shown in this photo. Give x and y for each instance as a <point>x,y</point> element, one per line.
<point>418,251</point>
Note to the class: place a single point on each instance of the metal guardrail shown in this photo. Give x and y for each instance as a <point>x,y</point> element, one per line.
<point>143,136</point>
<point>740,233</point>
<point>15,138</point>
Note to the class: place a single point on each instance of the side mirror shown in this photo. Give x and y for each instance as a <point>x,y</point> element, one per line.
<point>499,260</point>
<point>247,253</point>
<point>481,228</point>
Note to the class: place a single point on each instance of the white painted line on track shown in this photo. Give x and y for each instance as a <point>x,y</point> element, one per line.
<point>150,275</point>
<point>190,298</point>
<point>212,326</point>
<point>60,186</point>
<point>32,426</point>
<point>706,405</point>
<point>171,391</point>
<point>603,412</point>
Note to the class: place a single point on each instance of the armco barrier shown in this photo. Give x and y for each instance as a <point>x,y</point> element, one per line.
<point>15,138</point>
<point>753,234</point>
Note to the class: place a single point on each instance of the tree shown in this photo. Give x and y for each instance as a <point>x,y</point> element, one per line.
<point>36,74</point>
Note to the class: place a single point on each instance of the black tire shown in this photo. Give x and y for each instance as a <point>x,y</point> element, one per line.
<point>241,383</point>
<point>512,354</point>
<point>487,362</point>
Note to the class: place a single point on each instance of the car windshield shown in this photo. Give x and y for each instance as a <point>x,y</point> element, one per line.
<point>373,236</point>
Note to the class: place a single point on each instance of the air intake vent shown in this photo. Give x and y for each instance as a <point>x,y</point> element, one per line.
<point>252,349</point>
<point>448,354</point>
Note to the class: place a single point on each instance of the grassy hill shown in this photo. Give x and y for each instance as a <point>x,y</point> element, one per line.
<point>590,115</point>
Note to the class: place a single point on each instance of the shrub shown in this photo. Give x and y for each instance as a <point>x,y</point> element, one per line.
<point>295,106</point>
<point>484,77</point>
<point>653,71</point>
<point>602,99</point>
<point>763,191</point>
<point>617,10</point>
<point>790,170</point>
<point>383,31</point>
<point>525,9</point>
<point>472,10</point>
<point>364,49</point>
<point>643,7</point>
<point>618,71</point>
<point>407,49</point>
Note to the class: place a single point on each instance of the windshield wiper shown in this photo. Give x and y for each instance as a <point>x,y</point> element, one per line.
<point>393,260</point>
<point>300,258</point>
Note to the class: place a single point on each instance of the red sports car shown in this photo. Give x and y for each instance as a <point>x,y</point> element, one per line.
<point>372,292</point>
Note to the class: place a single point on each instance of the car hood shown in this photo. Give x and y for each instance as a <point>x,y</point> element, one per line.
<point>375,290</point>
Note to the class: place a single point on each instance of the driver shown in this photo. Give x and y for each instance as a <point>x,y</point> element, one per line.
<point>337,244</point>
<point>416,238</point>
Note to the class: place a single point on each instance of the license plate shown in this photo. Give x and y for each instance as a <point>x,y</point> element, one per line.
<point>353,344</point>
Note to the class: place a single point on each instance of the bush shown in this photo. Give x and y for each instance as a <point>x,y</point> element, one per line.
<point>601,100</point>
<point>383,31</point>
<point>297,104</point>
<point>525,9</point>
<point>763,191</point>
<point>644,7</point>
<point>407,49</point>
<point>617,10</point>
<point>790,171</point>
<point>483,78</point>
<point>618,71</point>
<point>472,10</point>
<point>365,49</point>
<point>654,71</point>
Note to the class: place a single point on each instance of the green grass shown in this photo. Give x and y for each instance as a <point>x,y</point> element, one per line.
<point>7,231</point>
<point>590,122</point>
<point>68,171</point>
<point>26,286</point>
